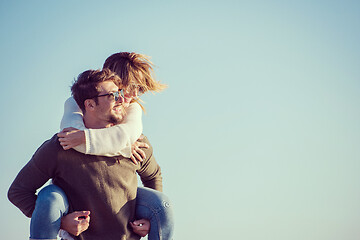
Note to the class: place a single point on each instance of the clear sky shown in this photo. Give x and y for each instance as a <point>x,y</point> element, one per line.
<point>258,134</point>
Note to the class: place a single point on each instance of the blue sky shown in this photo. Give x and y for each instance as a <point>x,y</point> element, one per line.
<point>258,133</point>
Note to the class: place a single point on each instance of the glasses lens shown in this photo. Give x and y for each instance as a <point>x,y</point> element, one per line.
<point>141,90</point>
<point>116,96</point>
<point>121,92</point>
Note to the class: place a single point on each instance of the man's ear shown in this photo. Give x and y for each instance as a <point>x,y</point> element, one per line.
<point>89,104</point>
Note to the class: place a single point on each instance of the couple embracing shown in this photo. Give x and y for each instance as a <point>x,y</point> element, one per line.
<point>94,161</point>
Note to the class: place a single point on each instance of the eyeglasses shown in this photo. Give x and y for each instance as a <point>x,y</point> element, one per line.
<point>140,89</point>
<point>116,95</point>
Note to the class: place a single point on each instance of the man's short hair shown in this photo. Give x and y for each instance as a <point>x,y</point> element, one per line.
<point>134,69</point>
<point>86,85</point>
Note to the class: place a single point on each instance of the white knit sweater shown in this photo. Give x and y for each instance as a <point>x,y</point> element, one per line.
<point>112,141</point>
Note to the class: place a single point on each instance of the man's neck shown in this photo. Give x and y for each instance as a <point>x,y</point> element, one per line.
<point>95,123</point>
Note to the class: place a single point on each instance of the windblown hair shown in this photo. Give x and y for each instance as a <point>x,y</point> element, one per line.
<point>134,70</point>
<point>86,85</point>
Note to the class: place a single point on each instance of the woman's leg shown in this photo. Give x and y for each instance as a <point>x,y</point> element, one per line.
<point>50,206</point>
<point>155,206</point>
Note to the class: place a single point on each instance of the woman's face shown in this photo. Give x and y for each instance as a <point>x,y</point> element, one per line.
<point>134,90</point>
<point>130,94</point>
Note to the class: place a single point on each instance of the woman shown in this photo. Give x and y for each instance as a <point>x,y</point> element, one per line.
<point>135,70</point>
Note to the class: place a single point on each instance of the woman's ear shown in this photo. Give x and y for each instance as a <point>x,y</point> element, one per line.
<point>89,104</point>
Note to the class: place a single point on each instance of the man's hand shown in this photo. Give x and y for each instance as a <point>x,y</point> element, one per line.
<point>71,137</point>
<point>141,227</point>
<point>137,153</point>
<point>76,222</point>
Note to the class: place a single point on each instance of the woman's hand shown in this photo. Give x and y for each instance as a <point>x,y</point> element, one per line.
<point>137,153</point>
<point>141,227</point>
<point>71,137</point>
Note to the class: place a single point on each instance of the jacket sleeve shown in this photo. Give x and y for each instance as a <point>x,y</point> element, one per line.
<point>150,171</point>
<point>22,192</point>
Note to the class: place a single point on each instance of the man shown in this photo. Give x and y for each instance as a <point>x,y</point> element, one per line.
<point>103,187</point>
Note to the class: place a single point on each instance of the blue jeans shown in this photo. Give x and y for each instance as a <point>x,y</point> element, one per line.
<point>52,204</point>
<point>155,206</point>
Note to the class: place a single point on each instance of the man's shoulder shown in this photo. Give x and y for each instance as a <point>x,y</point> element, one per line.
<point>53,141</point>
<point>50,145</point>
<point>144,139</point>
<point>148,151</point>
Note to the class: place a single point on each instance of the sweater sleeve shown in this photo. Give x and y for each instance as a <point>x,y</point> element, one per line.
<point>150,171</point>
<point>22,192</point>
<point>73,116</point>
<point>116,140</point>
<point>113,141</point>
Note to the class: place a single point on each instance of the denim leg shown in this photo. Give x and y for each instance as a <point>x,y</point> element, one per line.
<point>155,206</point>
<point>50,206</point>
